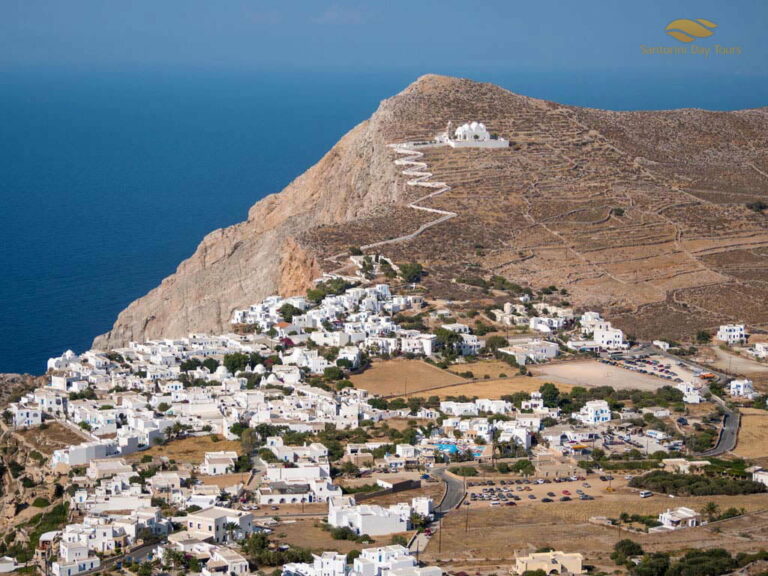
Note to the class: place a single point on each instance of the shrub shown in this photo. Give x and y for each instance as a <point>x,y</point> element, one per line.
<point>695,485</point>
<point>463,471</point>
<point>623,550</point>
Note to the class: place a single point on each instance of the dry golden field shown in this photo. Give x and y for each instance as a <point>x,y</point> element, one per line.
<point>190,450</point>
<point>482,536</point>
<point>403,377</point>
<point>54,437</point>
<point>753,435</point>
<point>491,368</point>
<point>493,389</point>
<point>407,378</point>
<point>307,533</point>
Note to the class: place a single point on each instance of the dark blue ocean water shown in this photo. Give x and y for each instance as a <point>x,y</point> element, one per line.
<point>108,180</point>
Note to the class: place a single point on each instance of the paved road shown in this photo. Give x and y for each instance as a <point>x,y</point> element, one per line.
<point>729,433</point>
<point>140,554</point>
<point>454,491</point>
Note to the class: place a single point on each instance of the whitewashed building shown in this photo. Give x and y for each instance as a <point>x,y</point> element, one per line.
<point>732,333</point>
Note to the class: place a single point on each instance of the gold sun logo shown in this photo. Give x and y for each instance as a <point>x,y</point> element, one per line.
<point>688,30</point>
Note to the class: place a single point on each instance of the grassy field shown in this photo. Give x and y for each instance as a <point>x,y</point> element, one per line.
<point>54,437</point>
<point>401,377</point>
<point>753,435</point>
<point>593,373</point>
<point>189,450</point>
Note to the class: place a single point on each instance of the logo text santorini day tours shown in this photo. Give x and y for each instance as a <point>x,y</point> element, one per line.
<point>687,33</point>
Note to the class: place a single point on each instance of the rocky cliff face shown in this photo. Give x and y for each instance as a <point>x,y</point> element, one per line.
<point>643,215</point>
<point>244,263</point>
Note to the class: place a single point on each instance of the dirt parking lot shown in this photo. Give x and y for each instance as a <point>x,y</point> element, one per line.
<point>591,373</point>
<point>734,363</point>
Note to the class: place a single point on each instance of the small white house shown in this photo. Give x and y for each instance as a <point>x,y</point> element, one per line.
<point>25,416</point>
<point>218,463</point>
<point>732,333</point>
<point>676,518</point>
<point>593,412</point>
<point>742,388</point>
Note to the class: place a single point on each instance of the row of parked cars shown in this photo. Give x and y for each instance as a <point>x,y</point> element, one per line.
<point>644,366</point>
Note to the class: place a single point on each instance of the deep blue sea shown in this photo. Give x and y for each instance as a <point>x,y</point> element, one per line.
<point>109,179</point>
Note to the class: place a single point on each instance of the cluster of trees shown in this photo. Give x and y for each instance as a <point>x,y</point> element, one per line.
<point>757,206</point>
<point>709,562</point>
<point>256,548</point>
<point>194,364</point>
<point>178,560</point>
<point>697,562</point>
<point>411,271</point>
<point>239,361</point>
<point>524,467</point>
<point>467,471</point>
<point>87,394</point>
<point>345,533</point>
<point>35,527</point>
<point>332,287</point>
<point>494,283</point>
<point>648,521</point>
<point>695,484</point>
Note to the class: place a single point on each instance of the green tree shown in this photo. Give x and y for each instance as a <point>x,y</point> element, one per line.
<point>493,343</point>
<point>333,373</point>
<point>236,362</point>
<point>211,364</point>
<point>710,510</point>
<point>288,311</point>
<point>703,337</point>
<point>625,549</point>
<point>652,565</point>
<point>411,271</point>
<point>549,394</point>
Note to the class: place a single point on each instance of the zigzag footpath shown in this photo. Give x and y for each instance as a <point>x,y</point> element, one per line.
<point>419,176</point>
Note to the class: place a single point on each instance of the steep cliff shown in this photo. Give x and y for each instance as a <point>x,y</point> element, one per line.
<point>643,215</point>
<point>241,264</point>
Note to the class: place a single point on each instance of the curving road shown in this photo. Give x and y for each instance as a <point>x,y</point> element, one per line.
<point>454,491</point>
<point>729,432</point>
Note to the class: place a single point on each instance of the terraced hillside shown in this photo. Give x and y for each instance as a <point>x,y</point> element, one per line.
<point>642,215</point>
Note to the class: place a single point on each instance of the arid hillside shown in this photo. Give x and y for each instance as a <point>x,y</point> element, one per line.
<point>642,215</point>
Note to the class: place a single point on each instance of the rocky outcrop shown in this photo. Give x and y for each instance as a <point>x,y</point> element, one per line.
<point>642,215</point>
<point>12,386</point>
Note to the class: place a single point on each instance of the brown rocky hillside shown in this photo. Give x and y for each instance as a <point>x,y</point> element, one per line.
<point>639,214</point>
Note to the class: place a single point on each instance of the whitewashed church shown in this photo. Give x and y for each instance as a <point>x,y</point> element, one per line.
<point>471,135</point>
